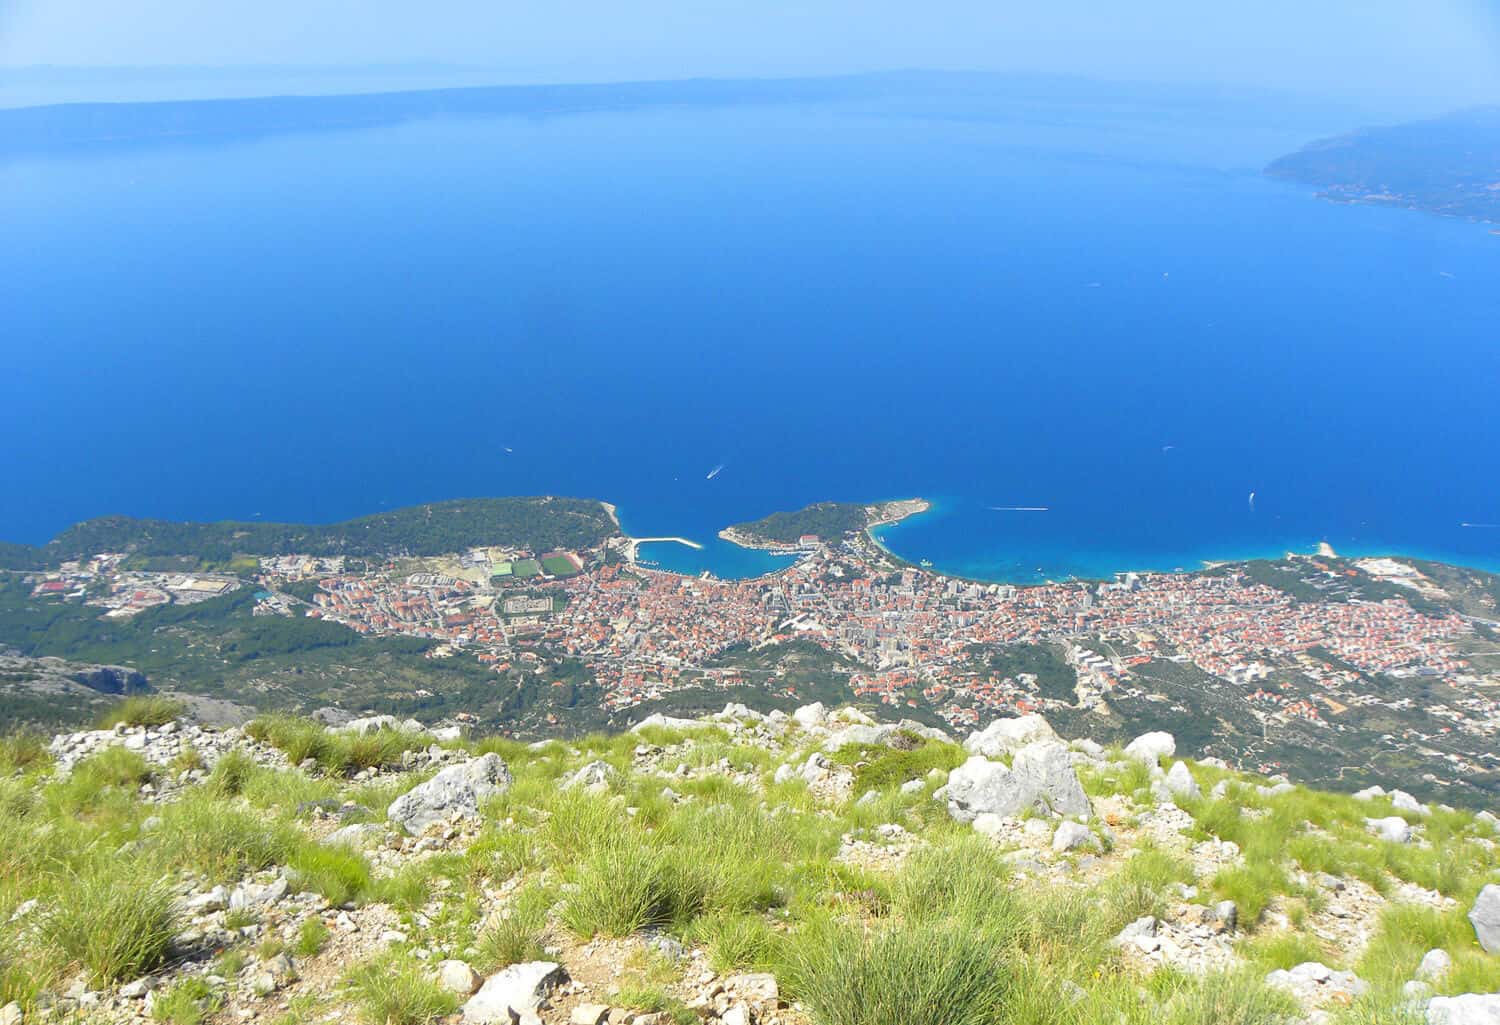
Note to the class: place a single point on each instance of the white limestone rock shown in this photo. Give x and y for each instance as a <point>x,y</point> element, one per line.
<point>811,716</point>
<point>519,989</point>
<point>1070,836</point>
<point>890,734</point>
<point>1402,801</point>
<point>1435,964</point>
<point>982,787</point>
<point>1392,828</point>
<point>736,711</point>
<point>1315,984</point>
<point>666,722</point>
<point>1468,1009</point>
<point>1485,917</point>
<point>1180,782</point>
<point>1152,747</point>
<point>1041,777</point>
<point>1047,772</point>
<point>457,790</point>
<point>594,777</point>
<point>458,977</point>
<point>1007,736</point>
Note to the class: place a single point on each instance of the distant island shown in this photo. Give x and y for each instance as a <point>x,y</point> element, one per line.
<point>818,523</point>
<point>1449,165</point>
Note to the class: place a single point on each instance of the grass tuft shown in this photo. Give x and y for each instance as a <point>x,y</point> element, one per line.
<point>111,925</point>
<point>188,1002</point>
<point>142,710</point>
<point>338,873</point>
<point>937,974</point>
<point>312,937</point>
<point>392,991</point>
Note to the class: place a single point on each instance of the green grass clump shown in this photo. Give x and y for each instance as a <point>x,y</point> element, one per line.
<point>1285,950</point>
<point>220,840</point>
<point>297,738</point>
<point>621,886</point>
<point>408,887</point>
<point>1252,886</point>
<point>877,766</point>
<point>392,991</point>
<point>966,880</point>
<point>26,974</point>
<point>1228,998</point>
<point>501,854</point>
<point>653,999</point>
<point>1408,931</point>
<point>112,767</point>
<point>519,935</point>
<point>736,942</point>
<point>337,754</point>
<point>142,710</point>
<point>231,774</point>
<point>23,752</point>
<point>508,941</point>
<point>112,923</point>
<point>338,873</point>
<point>312,937</point>
<point>188,1002</point>
<point>936,974</point>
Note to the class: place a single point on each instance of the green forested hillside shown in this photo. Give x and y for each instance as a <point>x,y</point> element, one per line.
<point>539,523</point>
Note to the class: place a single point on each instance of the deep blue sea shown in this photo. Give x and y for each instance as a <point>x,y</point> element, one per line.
<point>1098,308</point>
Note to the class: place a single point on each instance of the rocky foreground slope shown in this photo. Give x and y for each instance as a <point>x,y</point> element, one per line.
<point>811,867</point>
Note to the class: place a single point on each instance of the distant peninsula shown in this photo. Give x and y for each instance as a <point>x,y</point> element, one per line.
<point>818,523</point>
<point>1448,165</point>
<point>539,523</point>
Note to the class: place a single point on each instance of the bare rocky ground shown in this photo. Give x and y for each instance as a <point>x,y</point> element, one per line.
<point>441,835</point>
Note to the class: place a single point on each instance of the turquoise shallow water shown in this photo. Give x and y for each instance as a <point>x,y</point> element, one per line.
<point>1094,305</point>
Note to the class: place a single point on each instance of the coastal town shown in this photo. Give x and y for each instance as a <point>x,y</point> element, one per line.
<point>1301,650</point>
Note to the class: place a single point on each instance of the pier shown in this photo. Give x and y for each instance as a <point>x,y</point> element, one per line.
<point>632,549</point>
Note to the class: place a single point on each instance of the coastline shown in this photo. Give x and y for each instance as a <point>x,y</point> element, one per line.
<point>890,514</point>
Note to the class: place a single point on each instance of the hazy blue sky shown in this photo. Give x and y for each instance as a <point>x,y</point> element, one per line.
<point>1446,49</point>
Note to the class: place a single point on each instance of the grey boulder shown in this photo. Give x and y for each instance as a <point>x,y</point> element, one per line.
<point>1435,964</point>
<point>1047,770</point>
<point>1152,747</point>
<point>517,990</point>
<point>1485,917</point>
<point>1316,984</point>
<point>1007,736</point>
<point>1468,1009</point>
<point>593,777</point>
<point>457,790</point>
<point>982,787</point>
<point>1041,777</point>
<point>1180,782</point>
<point>1070,836</point>
<point>1392,828</point>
